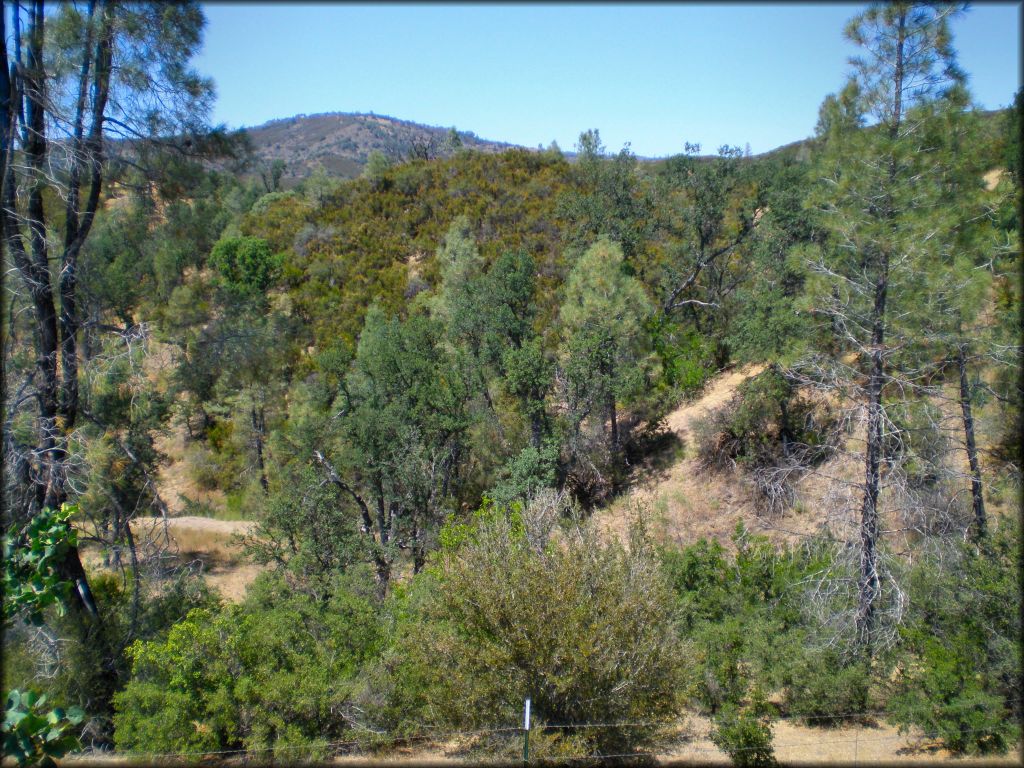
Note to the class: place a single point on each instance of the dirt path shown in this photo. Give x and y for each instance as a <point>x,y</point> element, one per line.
<point>208,545</point>
<point>717,393</point>
<point>687,503</point>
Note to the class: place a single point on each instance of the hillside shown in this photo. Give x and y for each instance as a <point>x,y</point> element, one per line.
<point>706,457</point>
<point>341,142</point>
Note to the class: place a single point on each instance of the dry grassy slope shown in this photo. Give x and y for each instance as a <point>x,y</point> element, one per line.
<point>686,503</point>
<point>210,545</point>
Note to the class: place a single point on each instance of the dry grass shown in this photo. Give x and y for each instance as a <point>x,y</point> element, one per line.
<point>794,744</point>
<point>208,545</point>
<point>175,480</point>
<point>213,546</point>
<point>687,503</point>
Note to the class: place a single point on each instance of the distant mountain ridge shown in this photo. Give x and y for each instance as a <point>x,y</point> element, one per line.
<point>340,142</point>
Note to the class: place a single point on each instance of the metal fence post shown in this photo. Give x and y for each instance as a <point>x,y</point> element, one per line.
<point>526,731</point>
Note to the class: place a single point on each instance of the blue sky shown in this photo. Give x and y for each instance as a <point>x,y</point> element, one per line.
<point>654,75</point>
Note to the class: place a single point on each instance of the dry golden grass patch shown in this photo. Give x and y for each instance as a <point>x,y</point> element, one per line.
<point>210,546</point>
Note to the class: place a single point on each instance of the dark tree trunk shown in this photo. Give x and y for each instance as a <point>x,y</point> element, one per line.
<point>259,426</point>
<point>382,515</point>
<point>977,495</point>
<point>380,559</point>
<point>419,553</point>
<point>536,428</point>
<point>869,584</point>
<point>614,421</point>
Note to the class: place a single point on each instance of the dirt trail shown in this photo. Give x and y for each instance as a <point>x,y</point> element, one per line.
<point>174,476</point>
<point>718,392</point>
<point>202,543</point>
<point>687,503</point>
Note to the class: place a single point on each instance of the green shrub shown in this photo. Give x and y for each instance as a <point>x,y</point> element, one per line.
<point>744,732</point>
<point>34,735</point>
<point>943,696</point>
<point>272,674</point>
<point>824,688</point>
<point>698,574</point>
<point>245,265</point>
<point>770,431</point>
<point>723,680</point>
<point>510,610</point>
<point>766,419</point>
<point>959,675</point>
<point>31,556</point>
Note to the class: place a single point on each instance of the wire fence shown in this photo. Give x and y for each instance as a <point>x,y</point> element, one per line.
<point>685,745</point>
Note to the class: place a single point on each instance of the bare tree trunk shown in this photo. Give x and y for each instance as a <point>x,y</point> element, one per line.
<point>869,586</point>
<point>614,421</point>
<point>380,560</point>
<point>977,496</point>
<point>7,115</point>
<point>259,427</point>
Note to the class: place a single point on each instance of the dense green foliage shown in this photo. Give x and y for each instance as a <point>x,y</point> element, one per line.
<point>32,734</point>
<point>272,674</point>
<point>745,734</point>
<point>965,688</point>
<point>31,581</point>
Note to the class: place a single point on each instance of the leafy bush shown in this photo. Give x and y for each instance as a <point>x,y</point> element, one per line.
<point>745,733</point>
<point>31,557</point>
<point>944,697</point>
<point>960,676</point>
<point>272,674</point>
<point>32,585</point>
<point>823,687</point>
<point>509,609</point>
<point>246,265</point>
<point>526,474</point>
<point>721,655</point>
<point>745,616</point>
<point>686,357</point>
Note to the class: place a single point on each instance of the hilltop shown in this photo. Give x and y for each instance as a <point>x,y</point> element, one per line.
<point>341,142</point>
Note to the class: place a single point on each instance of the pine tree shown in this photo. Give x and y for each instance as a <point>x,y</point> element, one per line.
<point>603,314</point>
<point>876,201</point>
